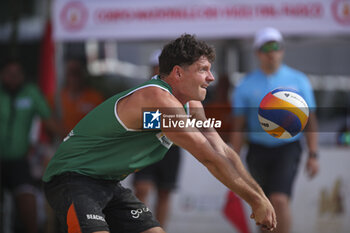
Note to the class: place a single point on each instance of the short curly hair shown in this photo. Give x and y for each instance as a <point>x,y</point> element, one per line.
<point>184,50</point>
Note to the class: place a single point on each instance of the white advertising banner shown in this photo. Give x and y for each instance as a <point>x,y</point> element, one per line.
<point>158,19</point>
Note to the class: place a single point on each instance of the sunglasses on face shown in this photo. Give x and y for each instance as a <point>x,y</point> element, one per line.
<point>270,46</point>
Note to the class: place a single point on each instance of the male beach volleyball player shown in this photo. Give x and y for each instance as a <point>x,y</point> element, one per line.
<point>82,180</point>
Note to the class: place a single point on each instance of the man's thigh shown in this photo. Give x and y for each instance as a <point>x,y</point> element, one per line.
<point>127,214</point>
<point>78,202</point>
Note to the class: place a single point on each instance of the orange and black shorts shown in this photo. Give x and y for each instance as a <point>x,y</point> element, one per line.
<point>84,204</point>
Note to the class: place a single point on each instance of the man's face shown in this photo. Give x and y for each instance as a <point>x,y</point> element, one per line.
<point>270,56</point>
<point>12,76</point>
<point>195,79</point>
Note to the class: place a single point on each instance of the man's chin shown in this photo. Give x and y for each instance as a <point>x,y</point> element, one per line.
<point>199,98</point>
<point>202,97</point>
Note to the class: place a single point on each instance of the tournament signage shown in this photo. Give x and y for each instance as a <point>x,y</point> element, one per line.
<point>157,19</point>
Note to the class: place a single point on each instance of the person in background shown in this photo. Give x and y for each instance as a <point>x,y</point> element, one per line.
<point>273,162</point>
<point>220,106</point>
<point>162,175</point>
<point>76,98</point>
<point>20,102</point>
<point>73,102</point>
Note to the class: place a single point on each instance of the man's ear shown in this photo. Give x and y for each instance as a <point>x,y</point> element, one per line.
<point>177,71</point>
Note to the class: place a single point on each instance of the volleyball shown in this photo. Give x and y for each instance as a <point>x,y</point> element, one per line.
<point>283,113</point>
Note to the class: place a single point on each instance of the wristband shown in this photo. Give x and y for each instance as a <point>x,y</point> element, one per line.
<point>313,155</point>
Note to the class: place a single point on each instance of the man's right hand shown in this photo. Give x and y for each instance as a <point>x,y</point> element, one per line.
<point>264,215</point>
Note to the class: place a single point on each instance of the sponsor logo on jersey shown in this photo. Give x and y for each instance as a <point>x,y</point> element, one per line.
<point>164,140</point>
<point>137,212</point>
<point>71,134</point>
<point>95,217</point>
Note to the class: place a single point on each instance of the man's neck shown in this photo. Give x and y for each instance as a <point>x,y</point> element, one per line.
<point>175,91</point>
<point>269,70</point>
<point>12,91</point>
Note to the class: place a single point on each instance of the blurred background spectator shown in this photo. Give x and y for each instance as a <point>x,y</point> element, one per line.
<point>73,101</point>
<point>76,98</point>
<point>219,106</point>
<point>273,162</point>
<point>20,102</point>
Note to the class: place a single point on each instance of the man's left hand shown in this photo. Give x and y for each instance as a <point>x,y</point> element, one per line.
<point>312,166</point>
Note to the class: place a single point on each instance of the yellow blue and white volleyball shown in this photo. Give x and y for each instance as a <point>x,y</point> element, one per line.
<point>283,113</point>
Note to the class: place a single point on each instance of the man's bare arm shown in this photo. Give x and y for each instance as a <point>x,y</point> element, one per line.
<point>220,146</point>
<point>226,158</point>
<point>237,135</point>
<point>311,135</point>
<point>194,141</point>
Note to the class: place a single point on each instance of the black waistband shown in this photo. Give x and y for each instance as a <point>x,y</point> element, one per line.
<point>67,175</point>
<point>258,146</point>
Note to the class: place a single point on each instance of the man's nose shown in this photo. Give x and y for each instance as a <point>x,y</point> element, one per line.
<point>210,77</point>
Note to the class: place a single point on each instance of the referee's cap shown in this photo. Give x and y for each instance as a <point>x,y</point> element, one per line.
<point>266,35</point>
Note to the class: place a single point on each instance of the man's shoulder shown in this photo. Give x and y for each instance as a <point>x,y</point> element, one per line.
<point>153,91</point>
<point>155,94</point>
<point>151,96</point>
<point>156,83</point>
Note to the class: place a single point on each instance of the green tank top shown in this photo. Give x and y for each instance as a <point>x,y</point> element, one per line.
<point>101,146</point>
<point>16,116</point>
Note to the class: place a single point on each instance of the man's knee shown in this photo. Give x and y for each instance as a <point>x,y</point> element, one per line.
<point>279,199</point>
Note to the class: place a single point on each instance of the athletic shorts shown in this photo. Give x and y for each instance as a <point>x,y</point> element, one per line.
<point>15,176</point>
<point>274,168</point>
<point>84,204</point>
<point>163,173</point>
